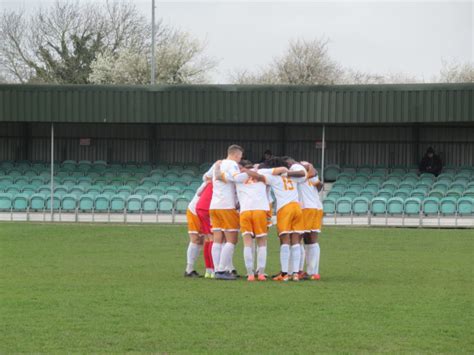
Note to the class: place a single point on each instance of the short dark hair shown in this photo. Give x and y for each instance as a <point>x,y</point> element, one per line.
<point>233,148</point>
<point>246,163</point>
<point>275,162</point>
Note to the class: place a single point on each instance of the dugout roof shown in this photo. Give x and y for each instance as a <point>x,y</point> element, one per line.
<point>239,104</point>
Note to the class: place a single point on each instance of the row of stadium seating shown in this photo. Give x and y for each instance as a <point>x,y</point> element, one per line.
<point>93,203</point>
<point>446,206</point>
<point>100,189</point>
<point>332,172</point>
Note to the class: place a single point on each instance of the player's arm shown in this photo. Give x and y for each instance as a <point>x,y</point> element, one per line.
<point>202,187</point>
<point>297,173</point>
<point>218,174</point>
<point>255,175</point>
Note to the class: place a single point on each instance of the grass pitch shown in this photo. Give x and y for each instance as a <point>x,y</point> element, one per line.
<point>109,288</point>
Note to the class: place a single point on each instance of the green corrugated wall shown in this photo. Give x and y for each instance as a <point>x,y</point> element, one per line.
<point>353,104</point>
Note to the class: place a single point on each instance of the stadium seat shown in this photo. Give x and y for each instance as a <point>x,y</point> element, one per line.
<point>94,190</point>
<point>378,205</point>
<point>150,204</point>
<point>446,178</point>
<point>373,185</point>
<point>448,206</point>
<point>28,190</point>
<point>351,193</point>
<point>384,193</point>
<point>181,203</point>
<point>134,203</point>
<point>436,193</point>
<point>331,172</point>
<point>390,185</point>
<point>13,189</point>
<point>469,192</point>
<point>77,190</point>
<point>367,193</point>
<point>454,193</point>
<point>37,180</point>
<point>69,202</point>
<point>360,205</point>
<point>344,205</point>
<point>5,201</point>
<point>44,189</point>
<point>117,203</point>
<point>402,193</point>
<point>430,205</point>
<point>109,189</point>
<point>101,203</point>
<point>141,190</point>
<point>440,186</point>
<point>329,205</point>
<point>166,203</point>
<point>37,202</point>
<point>61,190</point>
<point>68,165</point>
<point>86,203</point>
<point>395,205</point>
<point>465,206</point>
<point>21,180</point>
<point>334,194</point>
<point>428,178</point>
<point>407,184</point>
<point>20,202</point>
<point>100,181</point>
<point>56,202</point>
<point>412,206</point>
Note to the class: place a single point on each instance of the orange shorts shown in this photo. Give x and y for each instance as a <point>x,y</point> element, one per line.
<point>224,220</point>
<point>269,215</point>
<point>312,220</point>
<point>254,223</point>
<point>290,219</point>
<point>194,225</point>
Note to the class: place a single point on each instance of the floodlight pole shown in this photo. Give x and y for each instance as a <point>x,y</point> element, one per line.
<point>52,172</point>
<point>322,153</point>
<point>152,81</point>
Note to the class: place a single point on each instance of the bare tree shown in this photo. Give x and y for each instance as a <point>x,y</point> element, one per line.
<point>455,72</point>
<point>304,62</point>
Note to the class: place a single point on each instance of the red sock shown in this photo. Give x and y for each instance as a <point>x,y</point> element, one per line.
<point>207,255</point>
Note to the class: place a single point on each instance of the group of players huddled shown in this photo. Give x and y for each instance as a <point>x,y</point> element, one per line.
<point>236,195</point>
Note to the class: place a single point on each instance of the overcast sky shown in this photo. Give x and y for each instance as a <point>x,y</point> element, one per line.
<point>379,37</point>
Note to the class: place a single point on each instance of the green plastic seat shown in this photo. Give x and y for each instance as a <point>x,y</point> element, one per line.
<point>329,205</point>
<point>14,173</point>
<point>166,204</point>
<point>441,186</point>
<point>157,191</point>
<point>141,190</point>
<point>28,190</point>
<point>37,202</point>
<point>351,193</point>
<point>360,205</point>
<point>402,193</point>
<point>150,204</point>
<point>13,189</point>
<point>5,201</point>
<point>56,202</point>
<point>469,192</point>
<point>367,193</point>
<point>454,193</point>
<point>412,206</point>
<point>378,205</point>
<point>77,190</point>
<point>385,193</point>
<point>61,190</point>
<point>408,185</point>
<point>69,181</point>
<point>69,202</point>
<point>465,206</point>
<point>94,190</point>
<point>117,203</point>
<point>429,178</point>
<point>330,172</point>
<point>116,181</point>
<point>102,203</point>
<point>109,189</point>
<point>86,203</point>
<point>430,206</point>
<point>344,205</point>
<point>436,193</point>
<point>20,202</point>
<point>446,178</point>
<point>84,165</point>
<point>68,165</point>
<point>22,180</point>
<point>6,180</point>
<point>109,174</point>
<point>37,180</point>
<point>44,189</point>
<point>181,203</point>
<point>148,182</point>
<point>134,203</point>
<point>390,185</point>
<point>100,181</point>
<point>423,185</point>
<point>448,206</point>
<point>395,205</point>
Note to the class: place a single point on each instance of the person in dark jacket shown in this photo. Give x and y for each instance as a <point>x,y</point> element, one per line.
<point>431,163</point>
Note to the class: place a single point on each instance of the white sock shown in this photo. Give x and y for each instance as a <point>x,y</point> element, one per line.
<point>248,258</point>
<point>191,256</point>
<point>216,254</point>
<point>284,257</point>
<point>226,257</point>
<point>317,254</point>
<point>302,257</point>
<point>295,257</point>
<point>313,259</point>
<point>261,259</point>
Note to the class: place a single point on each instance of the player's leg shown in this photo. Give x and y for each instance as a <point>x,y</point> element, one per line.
<point>248,256</point>
<point>195,242</point>
<point>283,227</point>
<point>313,248</point>
<point>194,247</point>
<point>231,230</point>
<point>217,237</point>
<point>260,228</point>
<point>297,226</point>
<point>205,221</point>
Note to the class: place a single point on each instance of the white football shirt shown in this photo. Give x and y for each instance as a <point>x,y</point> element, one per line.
<point>252,194</point>
<point>223,193</point>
